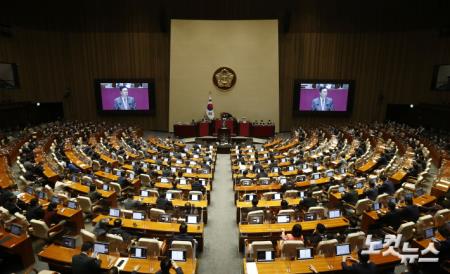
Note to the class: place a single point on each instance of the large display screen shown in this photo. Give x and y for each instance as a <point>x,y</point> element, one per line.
<point>319,96</point>
<point>125,96</point>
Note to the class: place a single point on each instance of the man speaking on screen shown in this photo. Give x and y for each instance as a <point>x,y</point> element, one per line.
<point>124,102</point>
<point>322,103</point>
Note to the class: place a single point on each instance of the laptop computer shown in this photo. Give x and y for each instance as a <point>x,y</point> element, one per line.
<point>100,247</point>
<point>359,185</point>
<point>182,181</point>
<point>55,199</point>
<point>16,229</point>
<point>282,219</point>
<point>376,206</point>
<point>105,187</point>
<point>428,233</point>
<point>256,220</point>
<point>265,255</point>
<point>138,252</point>
<point>29,190</point>
<point>144,193</point>
<point>169,196</point>
<point>118,173</point>
<point>192,219</point>
<point>165,218</point>
<point>249,197</point>
<point>335,213</point>
<point>302,194</point>
<point>316,176</point>
<point>72,205</point>
<point>194,197</point>
<point>341,189</point>
<point>310,216</point>
<point>343,249</point>
<point>114,212</point>
<point>304,253</point>
<point>41,195</point>
<point>177,254</point>
<point>69,242</point>
<point>138,215</point>
<point>377,244</point>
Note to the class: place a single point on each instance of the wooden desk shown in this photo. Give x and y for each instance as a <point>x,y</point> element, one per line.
<point>5,179</point>
<point>371,217</point>
<point>273,231</point>
<point>322,264</point>
<point>367,166</point>
<point>110,196</point>
<point>74,216</point>
<point>51,175</point>
<point>187,187</point>
<point>60,258</point>
<point>251,188</point>
<point>107,176</point>
<point>398,176</point>
<point>110,161</point>
<point>74,159</point>
<point>320,181</point>
<point>157,229</point>
<point>202,205</point>
<point>18,245</point>
<point>263,204</point>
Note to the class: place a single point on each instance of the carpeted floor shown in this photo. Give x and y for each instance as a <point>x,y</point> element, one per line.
<point>220,254</point>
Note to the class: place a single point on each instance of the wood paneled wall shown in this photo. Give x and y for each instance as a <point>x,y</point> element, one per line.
<point>388,47</point>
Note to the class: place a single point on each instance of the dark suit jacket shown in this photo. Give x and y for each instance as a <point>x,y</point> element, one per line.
<point>372,194</point>
<point>118,103</point>
<point>163,203</point>
<point>360,268</point>
<point>351,197</point>
<point>315,105</point>
<point>387,187</point>
<point>83,264</point>
<point>411,213</point>
<point>35,213</point>
<point>391,218</point>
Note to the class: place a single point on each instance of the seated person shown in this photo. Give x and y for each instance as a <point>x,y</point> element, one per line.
<point>163,203</point>
<point>118,230</point>
<point>372,192</point>
<point>93,194</point>
<point>101,228</point>
<point>350,196</point>
<point>130,204</point>
<point>392,218</point>
<point>387,186</point>
<point>307,202</point>
<point>122,181</point>
<point>34,211</point>
<point>183,235</point>
<point>362,266</point>
<point>284,204</point>
<point>317,236</point>
<point>167,264</point>
<point>411,212</point>
<point>51,217</point>
<point>83,263</point>
<point>295,235</point>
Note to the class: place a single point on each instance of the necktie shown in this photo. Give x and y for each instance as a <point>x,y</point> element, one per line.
<point>125,103</point>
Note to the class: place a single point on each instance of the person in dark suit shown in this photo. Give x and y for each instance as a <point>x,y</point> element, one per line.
<point>392,218</point>
<point>183,235</point>
<point>361,266</point>
<point>411,212</point>
<point>307,202</point>
<point>51,216</point>
<point>387,186</point>
<point>118,230</point>
<point>351,196</point>
<point>124,102</point>
<point>372,192</point>
<point>322,103</point>
<point>163,203</point>
<point>35,211</point>
<point>83,263</point>
<point>317,236</point>
<point>166,264</point>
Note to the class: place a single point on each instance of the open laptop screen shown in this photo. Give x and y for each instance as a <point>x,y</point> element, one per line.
<point>114,212</point>
<point>178,255</point>
<point>343,249</point>
<point>68,241</point>
<point>304,253</point>
<point>101,248</point>
<point>265,255</point>
<point>138,252</point>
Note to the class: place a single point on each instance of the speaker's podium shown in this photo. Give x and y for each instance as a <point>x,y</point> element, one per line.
<point>224,136</point>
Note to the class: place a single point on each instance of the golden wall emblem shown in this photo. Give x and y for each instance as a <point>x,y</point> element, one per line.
<point>224,78</point>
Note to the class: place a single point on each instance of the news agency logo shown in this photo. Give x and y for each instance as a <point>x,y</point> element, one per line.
<point>408,254</point>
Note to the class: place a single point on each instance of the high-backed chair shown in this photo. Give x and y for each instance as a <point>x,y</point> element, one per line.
<point>154,247</point>
<point>441,217</point>
<point>176,194</point>
<point>245,182</point>
<point>155,213</point>
<point>360,206</point>
<point>255,214</point>
<point>87,236</point>
<point>318,210</point>
<point>327,248</point>
<point>383,199</point>
<point>186,245</point>
<point>289,248</point>
<point>145,179</point>
<point>407,230</point>
<point>255,246</point>
<point>289,212</point>
<point>264,181</point>
<point>40,229</point>
<point>21,219</point>
<point>291,193</point>
<point>116,243</point>
<point>356,240</point>
<point>128,214</point>
<point>424,222</point>
<point>96,165</point>
<point>121,160</point>
<point>300,178</point>
<point>87,180</point>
